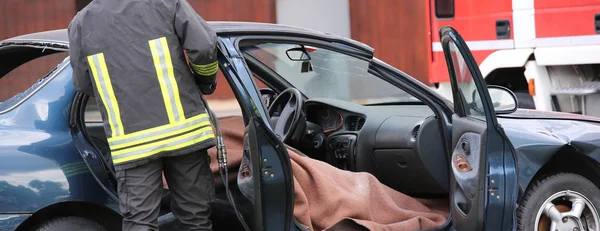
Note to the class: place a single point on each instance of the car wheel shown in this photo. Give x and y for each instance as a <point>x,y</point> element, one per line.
<point>525,100</point>
<point>70,223</point>
<point>563,201</point>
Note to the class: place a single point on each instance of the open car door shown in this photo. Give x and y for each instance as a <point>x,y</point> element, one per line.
<point>483,183</point>
<point>265,176</point>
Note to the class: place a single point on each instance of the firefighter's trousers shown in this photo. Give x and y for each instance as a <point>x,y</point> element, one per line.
<point>191,184</point>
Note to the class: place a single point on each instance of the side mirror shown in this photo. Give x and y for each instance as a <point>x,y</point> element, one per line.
<point>503,100</point>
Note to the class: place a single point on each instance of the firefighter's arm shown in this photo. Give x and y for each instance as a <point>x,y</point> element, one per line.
<point>198,40</point>
<point>81,77</point>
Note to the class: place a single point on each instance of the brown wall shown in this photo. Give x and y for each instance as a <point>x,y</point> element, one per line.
<point>22,17</point>
<point>397,31</point>
<point>234,10</point>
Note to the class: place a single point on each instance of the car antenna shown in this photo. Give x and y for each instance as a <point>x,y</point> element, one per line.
<point>222,160</point>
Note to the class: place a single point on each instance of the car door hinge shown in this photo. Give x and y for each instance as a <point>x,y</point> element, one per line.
<point>493,188</point>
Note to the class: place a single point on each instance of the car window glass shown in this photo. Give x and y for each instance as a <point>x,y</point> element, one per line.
<point>467,90</point>
<point>328,74</point>
<point>17,83</point>
<point>92,111</point>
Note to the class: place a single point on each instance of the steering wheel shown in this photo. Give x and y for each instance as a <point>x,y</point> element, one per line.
<point>267,95</point>
<point>287,118</point>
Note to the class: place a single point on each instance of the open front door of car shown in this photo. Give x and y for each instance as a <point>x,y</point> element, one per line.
<point>483,188</point>
<point>265,176</point>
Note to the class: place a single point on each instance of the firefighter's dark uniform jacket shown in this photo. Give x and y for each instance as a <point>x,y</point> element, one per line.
<point>130,55</point>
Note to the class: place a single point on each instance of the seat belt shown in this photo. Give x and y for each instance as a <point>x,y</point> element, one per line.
<point>222,161</point>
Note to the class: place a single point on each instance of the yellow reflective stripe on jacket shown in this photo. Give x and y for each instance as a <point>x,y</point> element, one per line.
<point>157,131</point>
<point>170,132</point>
<point>206,69</point>
<point>105,89</point>
<point>178,142</point>
<point>166,78</point>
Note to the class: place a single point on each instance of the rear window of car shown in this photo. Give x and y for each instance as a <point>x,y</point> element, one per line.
<point>23,69</point>
<point>20,83</point>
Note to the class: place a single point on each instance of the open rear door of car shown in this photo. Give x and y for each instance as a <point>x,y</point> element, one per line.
<point>483,183</point>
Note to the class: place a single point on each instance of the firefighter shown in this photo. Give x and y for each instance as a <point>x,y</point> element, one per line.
<point>133,57</point>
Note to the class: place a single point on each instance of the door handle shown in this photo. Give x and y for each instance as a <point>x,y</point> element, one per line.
<point>503,29</point>
<point>461,163</point>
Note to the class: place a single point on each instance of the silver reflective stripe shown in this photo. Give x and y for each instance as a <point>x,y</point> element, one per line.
<point>164,146</point>
<point>165,75</point>
<point>106,97</point>
<point>158,132</point>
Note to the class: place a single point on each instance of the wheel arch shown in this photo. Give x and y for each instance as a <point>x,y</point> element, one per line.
<point>569,160</point>
<point>100,214</point>
<point>505,59</point>
<point>512,78</point>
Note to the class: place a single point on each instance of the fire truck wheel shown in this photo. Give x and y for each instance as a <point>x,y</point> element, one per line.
<point>525,100</point>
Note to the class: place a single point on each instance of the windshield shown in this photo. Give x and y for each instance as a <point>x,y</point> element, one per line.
<point>323,73</point>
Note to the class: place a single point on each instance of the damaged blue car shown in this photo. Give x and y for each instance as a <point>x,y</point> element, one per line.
<point>500,167</point>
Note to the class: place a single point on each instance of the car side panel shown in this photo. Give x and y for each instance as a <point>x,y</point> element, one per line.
<point>39,163</point>
<point>538,140</point>
<point>11,221</point>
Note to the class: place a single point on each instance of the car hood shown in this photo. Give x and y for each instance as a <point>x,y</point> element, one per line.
<point>538,135</point>
<point>527,127</point>
<point>534,114</point>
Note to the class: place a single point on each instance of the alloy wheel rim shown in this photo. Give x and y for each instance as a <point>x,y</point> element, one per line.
<point>567,210</point>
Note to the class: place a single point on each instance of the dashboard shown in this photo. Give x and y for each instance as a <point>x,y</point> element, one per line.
<point>332,119</point>
<point>400,144</point>
<point>328,118</point>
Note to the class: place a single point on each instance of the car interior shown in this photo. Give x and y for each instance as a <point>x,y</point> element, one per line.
<point>366,126</point>
<point>370,126</point>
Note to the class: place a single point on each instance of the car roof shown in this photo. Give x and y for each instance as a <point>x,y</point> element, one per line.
<point>220,27</point>
<point>59,36</point>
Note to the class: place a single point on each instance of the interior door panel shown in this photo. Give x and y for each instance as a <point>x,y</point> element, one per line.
<point>468,167</point>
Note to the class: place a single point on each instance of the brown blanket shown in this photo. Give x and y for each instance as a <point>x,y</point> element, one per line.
<point>330,198</point>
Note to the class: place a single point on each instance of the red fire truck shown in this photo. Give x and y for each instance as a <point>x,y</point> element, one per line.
<point>546,51</point>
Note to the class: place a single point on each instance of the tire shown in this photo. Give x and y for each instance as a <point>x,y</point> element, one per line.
<point>71,223</point>
<point>525,100</point>
<point>540,191</point>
